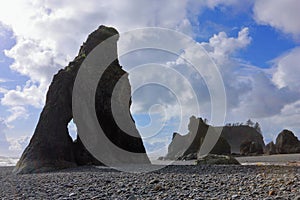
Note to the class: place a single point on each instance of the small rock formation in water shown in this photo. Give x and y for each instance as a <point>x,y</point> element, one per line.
<point>51,147</point>
<point>186,147</point>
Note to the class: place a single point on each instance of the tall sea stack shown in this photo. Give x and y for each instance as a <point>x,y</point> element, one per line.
<point>51,147</point>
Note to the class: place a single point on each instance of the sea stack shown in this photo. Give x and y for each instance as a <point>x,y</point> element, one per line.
<point>186,147</point>
<point>51,147</point>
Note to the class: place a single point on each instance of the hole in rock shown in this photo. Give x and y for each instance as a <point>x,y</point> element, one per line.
<point>72,130</point>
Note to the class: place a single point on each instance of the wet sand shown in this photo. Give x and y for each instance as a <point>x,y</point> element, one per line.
<point>281,159</point>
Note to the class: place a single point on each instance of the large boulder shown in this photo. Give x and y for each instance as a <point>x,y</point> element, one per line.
<point>251,148</point>
<point>287,142</point>
<point>51,147</point>
<point>186,147</point>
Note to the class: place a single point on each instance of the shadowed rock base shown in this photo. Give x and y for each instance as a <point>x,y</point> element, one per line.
<point>212,159</point>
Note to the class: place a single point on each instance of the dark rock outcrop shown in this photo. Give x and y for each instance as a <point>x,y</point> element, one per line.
<point>236,135</point>
<point>270,148</point>
<point>287,142</point>
<point>51,147</point>
<point>251,148</point>
<point>212,159</point>
<point>186,147</point>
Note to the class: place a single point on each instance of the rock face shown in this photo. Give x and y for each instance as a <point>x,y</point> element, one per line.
<point>287,142</point>
<point>236,135</point>
<point>186,147</point>
<point>251,148</point>
<point>51,147</point>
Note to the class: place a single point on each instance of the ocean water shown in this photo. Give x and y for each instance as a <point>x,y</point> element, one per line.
<point>8,161</point>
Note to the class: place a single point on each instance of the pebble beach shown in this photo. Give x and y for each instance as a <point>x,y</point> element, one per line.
<point>170,182</point>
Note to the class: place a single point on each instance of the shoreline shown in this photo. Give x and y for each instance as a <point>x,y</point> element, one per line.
<point>276,159</point>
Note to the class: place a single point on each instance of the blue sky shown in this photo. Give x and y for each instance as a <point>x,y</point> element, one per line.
<point>255,44</point>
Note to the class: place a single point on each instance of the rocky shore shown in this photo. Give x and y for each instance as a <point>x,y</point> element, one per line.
<point>172,182</point>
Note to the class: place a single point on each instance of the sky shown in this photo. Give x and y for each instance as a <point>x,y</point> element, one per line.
<point>254,43</point>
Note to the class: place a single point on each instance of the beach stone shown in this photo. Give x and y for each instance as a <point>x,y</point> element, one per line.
<point>72,194</point>
<point>51,147</point>
<point>272,192</point>
<point>297,198</point>
<point>131,197</point>
<point>158,187</point>
<point>154,181</point>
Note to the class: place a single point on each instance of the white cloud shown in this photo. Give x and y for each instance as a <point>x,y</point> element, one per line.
<point>273,96</point>
<point>289,115</point>
<point>17,112</point>
<point>30,94</point>
<point>287,70</point>
<point>279,93</point>
<point>221,48</point>
<point>3,30</point>
<point>252,92</point>
<point>287,118</point>
<point>264,99</point>
<point>11,146</point>
<point>4,144</point>
<point>282,15</point>
<point>37,61</point>
<point>222,45</point>
<point>3,90</point>
<point>48,34</point>
<point>3,80</point>
<point>18,145</point>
